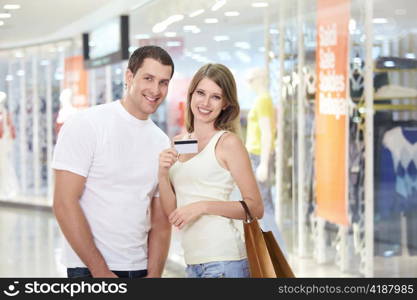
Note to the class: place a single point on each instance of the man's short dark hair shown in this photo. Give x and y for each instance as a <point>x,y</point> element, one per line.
<point>154,52</point>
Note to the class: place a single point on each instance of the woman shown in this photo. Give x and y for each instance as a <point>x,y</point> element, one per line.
<point>195,188</point>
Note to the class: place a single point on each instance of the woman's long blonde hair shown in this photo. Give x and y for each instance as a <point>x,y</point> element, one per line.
<point>228,119</point>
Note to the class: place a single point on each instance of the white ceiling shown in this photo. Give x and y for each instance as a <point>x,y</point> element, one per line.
<point>44,20</point>
<point>39,21</point>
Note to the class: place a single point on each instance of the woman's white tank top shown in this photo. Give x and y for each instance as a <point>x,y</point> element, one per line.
<point>201,178</point>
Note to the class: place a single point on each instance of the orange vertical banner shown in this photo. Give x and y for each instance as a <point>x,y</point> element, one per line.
<point>331,109</point>
<point>75,78</point>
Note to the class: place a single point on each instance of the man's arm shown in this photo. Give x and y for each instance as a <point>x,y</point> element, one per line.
<point>68,190</point>
<point>158,239</point>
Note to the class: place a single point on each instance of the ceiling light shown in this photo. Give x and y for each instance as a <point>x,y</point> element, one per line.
<point>242,45</point>
<point>161,26</point>
<point>19,54</point>
<point>9,77</point>
<point>191,28</point>
<point>20,73</point>
<point>200,49</point>
<point>1,23</point>
<point>231,13</point>
<point>170,34</point>
<point>5,15</point>
<point>273,31</point>
<point>218,5</point>
<point>142,36</point>
<point>380,20</point>
<point>211,20</point>
<point>173,44</point>
<point>220,38</point>
<point>196,13</point>
<point>11,6</point>
<point>259,4</point>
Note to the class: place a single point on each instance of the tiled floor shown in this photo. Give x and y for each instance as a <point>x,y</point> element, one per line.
<point>31,245</point>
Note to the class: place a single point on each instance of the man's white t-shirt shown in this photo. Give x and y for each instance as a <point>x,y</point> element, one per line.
<point>119,156</point>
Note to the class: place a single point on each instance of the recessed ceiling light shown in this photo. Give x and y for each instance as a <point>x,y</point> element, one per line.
<point>170,34</point>
<point>231,13</point>
<point>211,20</point>
<point>220,38</point>
<point>196,13</point>
<point>173,43</point>
<point>242,45</point>
<point>11,6</point>
<point>191,28</point>
<point>218,5</point>
<point>5,15</point>
<point>380,20</point>
<point>200,49</point>
<point>260,4</point>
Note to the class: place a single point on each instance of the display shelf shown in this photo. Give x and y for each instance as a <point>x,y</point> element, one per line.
<point>376,70</point>
<point>394,98</point>
<point>395,107</point>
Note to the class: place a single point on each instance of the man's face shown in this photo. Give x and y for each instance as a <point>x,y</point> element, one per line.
<point>148,87</point>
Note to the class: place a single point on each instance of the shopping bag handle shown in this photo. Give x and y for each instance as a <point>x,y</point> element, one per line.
<point>249,217</point>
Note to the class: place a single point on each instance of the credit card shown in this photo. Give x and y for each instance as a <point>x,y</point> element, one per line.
<point>186,146</point>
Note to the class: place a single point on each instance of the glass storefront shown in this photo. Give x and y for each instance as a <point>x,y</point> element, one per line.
<point>343,176</point>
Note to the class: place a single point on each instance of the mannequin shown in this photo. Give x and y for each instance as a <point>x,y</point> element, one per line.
<point>8,180</point>
<point>67,109</point>
<point>260,140</point>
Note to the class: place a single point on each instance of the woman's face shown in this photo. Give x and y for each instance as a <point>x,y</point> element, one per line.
<point>207,101</point>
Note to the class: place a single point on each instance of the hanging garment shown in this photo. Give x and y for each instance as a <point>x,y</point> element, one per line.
<point>8,179</point>
<point>396,191</point>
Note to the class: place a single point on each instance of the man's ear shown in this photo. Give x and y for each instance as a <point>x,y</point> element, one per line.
<point>128,77</point>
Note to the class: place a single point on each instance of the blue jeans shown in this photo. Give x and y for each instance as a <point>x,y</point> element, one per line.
<point>219,269</point>
<point>85,273</point>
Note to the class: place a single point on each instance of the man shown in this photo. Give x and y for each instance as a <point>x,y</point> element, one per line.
<point>106,165</point>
